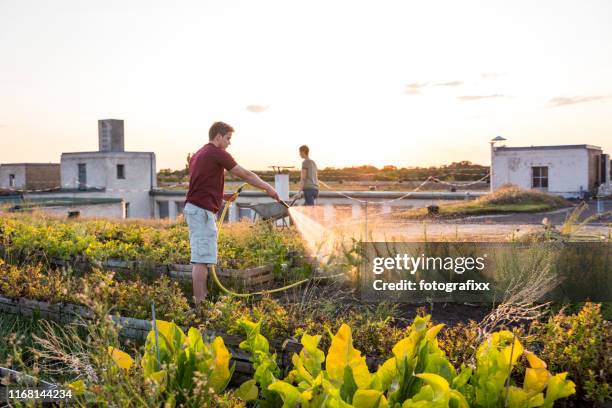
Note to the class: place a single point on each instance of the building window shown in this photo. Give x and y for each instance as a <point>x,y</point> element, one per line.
<point>539,177</point>
<point>127,211</point>
<point>11,180</point>
<point>82,176</point>
<point>120,171</point>
<point>163,207</point>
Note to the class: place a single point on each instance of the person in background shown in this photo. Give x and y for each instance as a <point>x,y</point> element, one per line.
<point>204,198</point>
<point>309,184</point>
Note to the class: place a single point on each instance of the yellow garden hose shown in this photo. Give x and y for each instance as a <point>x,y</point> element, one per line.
<point>214,268</point>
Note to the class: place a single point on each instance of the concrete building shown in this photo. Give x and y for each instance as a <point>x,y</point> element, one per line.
<point>29,176</point>
<point>88,180</point>
<point>110,135</point>
<point>571,171</point>
<point>112,172</point>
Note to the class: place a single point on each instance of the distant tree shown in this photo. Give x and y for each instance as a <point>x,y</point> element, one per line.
<point>187,164</point>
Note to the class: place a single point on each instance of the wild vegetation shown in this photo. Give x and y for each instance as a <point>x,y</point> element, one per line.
<point>509,199</point>
<point>456,171</point>
<point>353,354</point>
<point>241,245</point>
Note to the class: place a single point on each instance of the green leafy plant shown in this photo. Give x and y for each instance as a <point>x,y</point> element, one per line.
<point>182,367</point>
<point>174,358</point>
<point>264,364</point>
<point>418,374</point>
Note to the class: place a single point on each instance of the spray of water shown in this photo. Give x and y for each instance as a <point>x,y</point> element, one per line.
<point>314,234</point>
<point>325,237</point>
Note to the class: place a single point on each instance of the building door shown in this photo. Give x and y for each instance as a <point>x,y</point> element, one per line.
<point>82,176</point>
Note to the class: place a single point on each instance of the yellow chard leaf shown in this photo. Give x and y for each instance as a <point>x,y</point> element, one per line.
<point>369,399</point>
<point>291,395</point>
<point>171,333</point>
<point>534,361</point>
<point>535,380</point>
<point>384,375</point>
<point>159,377</point>
<point>433,332</point>
<point>248,391</point>
<point>511,355</point>
<point>558,387</point>
<point>220,374</point>
<point>122,359</point>
<point>77,387</point>
<point>440,387</point>
<point>341,354</point>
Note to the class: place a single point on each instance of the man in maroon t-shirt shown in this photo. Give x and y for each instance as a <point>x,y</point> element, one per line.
<point>206,179</point>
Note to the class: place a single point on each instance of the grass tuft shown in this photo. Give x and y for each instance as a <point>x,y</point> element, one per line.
<point>508,199</point>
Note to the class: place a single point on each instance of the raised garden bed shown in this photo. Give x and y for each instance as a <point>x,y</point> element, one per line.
<point>243,277</point>
<point>137,329</point>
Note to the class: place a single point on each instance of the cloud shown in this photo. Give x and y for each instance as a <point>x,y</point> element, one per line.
<point>414,88</point>
<point>467,98</point>
<point>571,100</point>
<point>450,83</point>
<point>257,108</point>
<point>490,75</point>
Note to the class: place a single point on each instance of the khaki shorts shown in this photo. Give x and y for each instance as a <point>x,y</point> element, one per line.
<point>202,234</point>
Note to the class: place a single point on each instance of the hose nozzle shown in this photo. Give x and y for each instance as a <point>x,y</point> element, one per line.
<point>283,203</point>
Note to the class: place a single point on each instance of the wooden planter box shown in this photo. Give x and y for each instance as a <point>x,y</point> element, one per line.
<point>244,277</point>
<point>118,263</point>
<point>151,267</point>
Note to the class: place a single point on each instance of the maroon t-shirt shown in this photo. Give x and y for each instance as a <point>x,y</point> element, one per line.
<point>207,176</point>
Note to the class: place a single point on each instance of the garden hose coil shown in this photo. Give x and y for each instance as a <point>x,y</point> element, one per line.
<point>214,267</point>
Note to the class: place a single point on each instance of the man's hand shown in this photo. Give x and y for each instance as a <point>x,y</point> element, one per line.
<point>230,197</point>
<point>272,193</point>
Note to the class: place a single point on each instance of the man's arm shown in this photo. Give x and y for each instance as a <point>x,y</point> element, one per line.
<point>303,175</point>
<point>254,180</point>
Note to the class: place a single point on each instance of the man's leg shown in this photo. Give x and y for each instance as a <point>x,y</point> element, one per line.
<point>308,196</point>
<point>199,276</point>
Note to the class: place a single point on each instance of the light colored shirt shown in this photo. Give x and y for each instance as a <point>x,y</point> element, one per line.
<point>310,181</point>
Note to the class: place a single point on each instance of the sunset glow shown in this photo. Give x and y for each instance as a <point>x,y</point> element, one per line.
<point>403,83</point>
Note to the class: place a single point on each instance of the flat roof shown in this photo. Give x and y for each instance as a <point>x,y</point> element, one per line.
<point>57,201</point>
<point>458,195</point>
<point>552,147</point>
<point>105,153</point>
<point>29,164</point>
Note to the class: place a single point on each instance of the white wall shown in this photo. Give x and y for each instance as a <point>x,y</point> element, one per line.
<point>139,170</point>
<point>19,170</point>
<point>567,169</point>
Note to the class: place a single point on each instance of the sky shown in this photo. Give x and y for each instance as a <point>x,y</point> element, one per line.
<point>405,83</point>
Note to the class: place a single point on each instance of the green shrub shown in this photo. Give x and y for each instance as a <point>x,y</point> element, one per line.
<point>580,344</point>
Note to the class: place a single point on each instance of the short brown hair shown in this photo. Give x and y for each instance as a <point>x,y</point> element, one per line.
<point>304,149</point>
<point>219,127</point>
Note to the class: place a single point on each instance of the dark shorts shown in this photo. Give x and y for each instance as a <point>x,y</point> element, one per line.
<point>310,194</point>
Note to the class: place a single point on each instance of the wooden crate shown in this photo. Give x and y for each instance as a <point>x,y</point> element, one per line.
<point>245,277</point>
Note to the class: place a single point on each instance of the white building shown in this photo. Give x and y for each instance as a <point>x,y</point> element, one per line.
<point>109,173</point>
<point>29,176</point>
<point>566,170</point>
